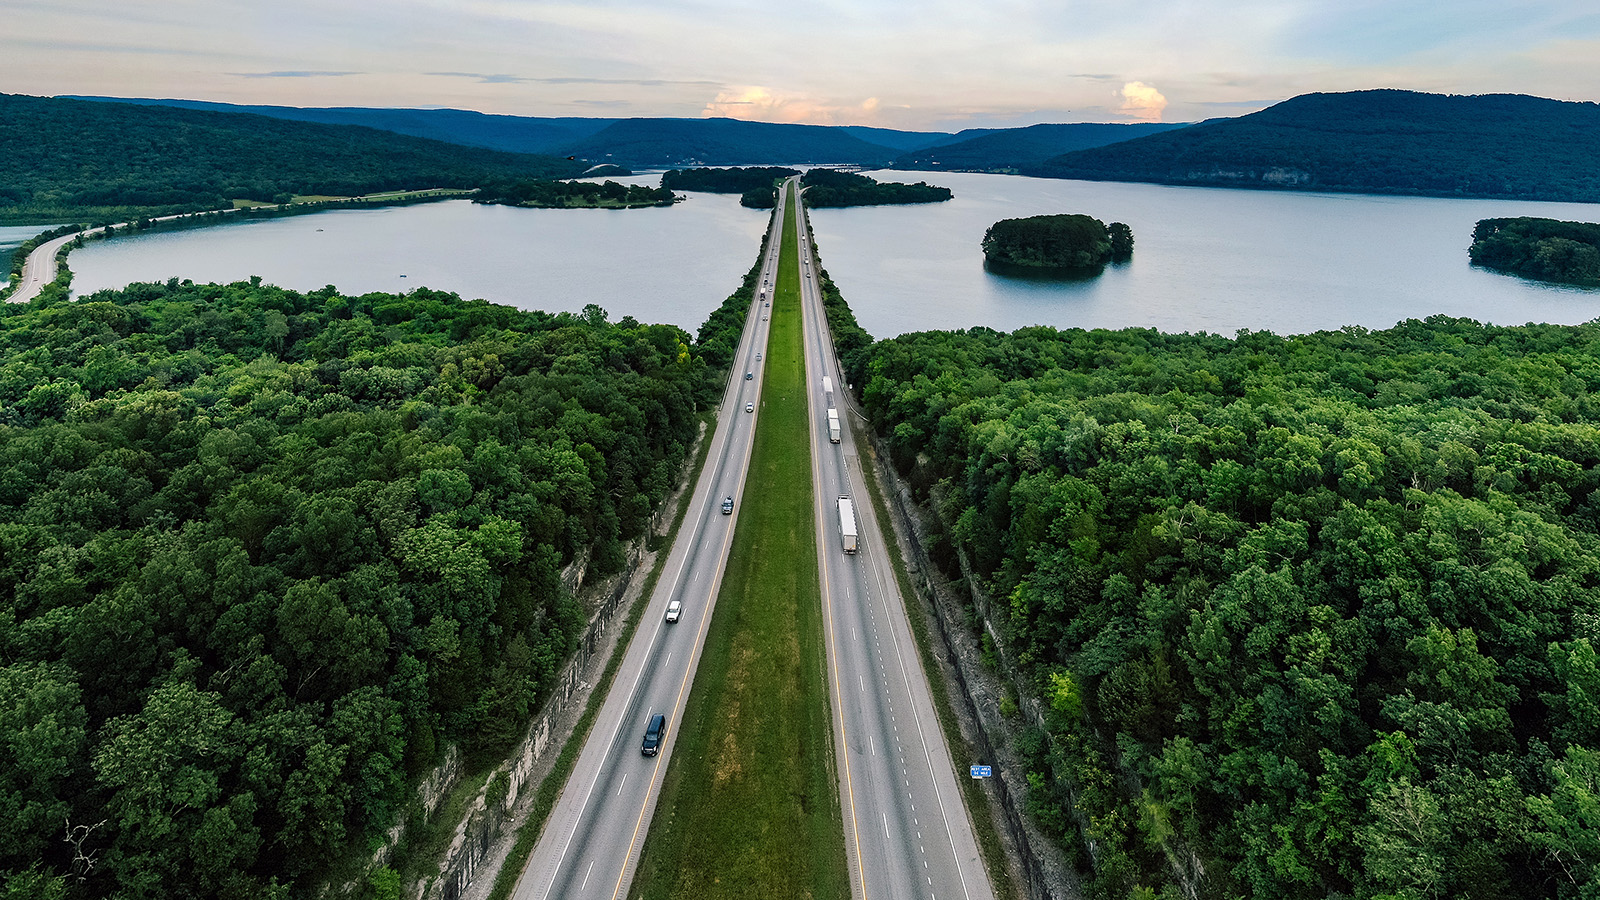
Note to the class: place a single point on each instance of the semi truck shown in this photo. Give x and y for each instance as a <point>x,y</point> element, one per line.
<point>847,524</point>
<point>833,425</point>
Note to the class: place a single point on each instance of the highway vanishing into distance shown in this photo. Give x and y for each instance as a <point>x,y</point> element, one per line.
<point>907,832</point>
<point>593,837</point>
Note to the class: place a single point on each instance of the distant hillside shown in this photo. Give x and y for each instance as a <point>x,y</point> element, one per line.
<point>907,141</point>
<point>513,134</point>
<point>1387,142</point>
<point>1013,149</point>
<point>76,160</point>
<point>723,142</point>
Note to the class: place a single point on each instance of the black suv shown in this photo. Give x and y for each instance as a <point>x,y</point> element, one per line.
<point>654,734</point>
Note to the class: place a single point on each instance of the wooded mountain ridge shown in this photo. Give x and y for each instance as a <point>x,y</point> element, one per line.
<point>74,160</point>
<point>1384,142</point>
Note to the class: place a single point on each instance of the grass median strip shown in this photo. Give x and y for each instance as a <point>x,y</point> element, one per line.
<point>749,805</point>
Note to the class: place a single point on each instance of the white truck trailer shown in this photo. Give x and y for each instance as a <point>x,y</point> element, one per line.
<point>847,524</point>
<point>833,425</point>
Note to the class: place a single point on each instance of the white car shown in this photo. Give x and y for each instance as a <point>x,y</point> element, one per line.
<point>749,407</point>
<point>674,610</point>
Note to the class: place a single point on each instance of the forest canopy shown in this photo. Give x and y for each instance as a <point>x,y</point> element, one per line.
<point>77,160</point>
<point>726,181</point>
<point>1382,141</point>
<point>829,187</point>
<point>265,553</point>
<point>1308,616</point>
<point>1076,241</point>
<point>574,195</point>
<point>1546,249</point>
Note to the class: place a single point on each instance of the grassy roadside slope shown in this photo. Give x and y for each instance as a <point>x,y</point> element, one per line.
<point>749,806</point>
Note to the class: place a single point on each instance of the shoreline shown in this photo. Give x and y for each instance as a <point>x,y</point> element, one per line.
<point>46,262</point>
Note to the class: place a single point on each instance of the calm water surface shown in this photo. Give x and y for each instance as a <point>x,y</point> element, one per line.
<point>12,237</point>
<point>1205,259</point>
<point>670,265</point>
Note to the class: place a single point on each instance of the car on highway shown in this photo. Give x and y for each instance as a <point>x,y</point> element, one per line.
<point>654,733</point>
<point>727,506</point>
<point>749,407</point>
<point>674,610</point>
<point>758,356</point>
<point>749,375</point>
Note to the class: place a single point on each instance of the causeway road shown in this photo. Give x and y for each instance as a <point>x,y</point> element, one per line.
<point>907,832</point>
<point>592,840</point>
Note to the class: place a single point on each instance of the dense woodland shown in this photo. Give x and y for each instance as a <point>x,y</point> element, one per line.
<point>726,181</point>
<point>1076,242</point>
<point>76,160</point>
<point>1387,142</point>
<point>266,553</point>
<point>832,188</point>
<point>1546,249</point>
<point>1311,616</point>
<point>574,194</point>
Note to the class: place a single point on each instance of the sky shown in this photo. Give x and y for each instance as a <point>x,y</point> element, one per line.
<point>930,65</point>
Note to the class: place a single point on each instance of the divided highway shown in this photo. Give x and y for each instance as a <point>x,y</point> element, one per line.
<point>907,833</point>
<point>593,838</point>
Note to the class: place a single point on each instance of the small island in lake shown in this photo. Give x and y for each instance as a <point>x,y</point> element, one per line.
<point>756,183</point>
<point>1543,249</point>
<point>830,188</point>
<point>1065,242</point>
<point>725,181</point>
<point>574,195</point>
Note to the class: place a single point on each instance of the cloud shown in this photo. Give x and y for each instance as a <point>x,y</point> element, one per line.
<point>567,79</point>
<point>293,74</point>
<point>107,48</point>
<point>1142,101</point>
<point>761,104</point>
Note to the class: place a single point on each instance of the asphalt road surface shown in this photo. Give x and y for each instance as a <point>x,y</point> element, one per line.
<point>907,832</point>
<point>592,840</point>
<point>39,269</point>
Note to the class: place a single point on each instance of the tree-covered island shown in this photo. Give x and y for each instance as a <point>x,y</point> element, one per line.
<point>755,183</point>
<point>735,180</point>
<point>830,188</point>
<point>1545,249</point>
<point>574,195</point>
<point>1066,242</point>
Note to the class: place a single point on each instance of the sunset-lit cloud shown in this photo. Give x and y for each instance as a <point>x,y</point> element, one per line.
<point>1142,101</point>
<point>759,104</point>
<point>889,63</point>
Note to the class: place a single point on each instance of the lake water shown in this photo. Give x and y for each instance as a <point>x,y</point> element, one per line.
<point>670,265</point>
<point>1205,259</point>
